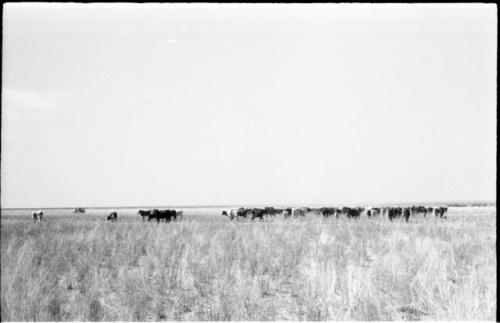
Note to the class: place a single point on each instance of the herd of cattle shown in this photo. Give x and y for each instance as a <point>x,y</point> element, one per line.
<point>392,213</point>
<point>168,215</point>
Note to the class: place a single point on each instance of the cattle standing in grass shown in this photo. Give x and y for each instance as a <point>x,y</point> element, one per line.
<point>37,216</point>
<point>179,214</point>
<point>168,215</point>
<point>258,213</point>
<point>299,212</point>
<point>144,214</point>
<point>406,214</point>
<point>440,211</point>
<point>390,213</point>
<point>239,213</point>
<point>354,213</point>
<point>79,210</point>
<point>271,211</point>
<point>113,217</point>
<point>233,214</point>
<point>394,213</point>
<point>417,210</point>
<point>327,211</point>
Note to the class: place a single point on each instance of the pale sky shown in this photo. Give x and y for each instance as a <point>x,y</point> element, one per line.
<point>122,105</point>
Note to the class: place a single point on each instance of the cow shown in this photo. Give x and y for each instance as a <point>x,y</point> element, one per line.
<point>37,216</point>
<point>179,214</point>
<point>352,212</point>
<point>440,211</point>
<point>327,211</point>
<point>355,212</point>
<point>79,210</point>
<point>406,213</point>
<point>258,213</point>
<point>113,217</point>
<point>168,215</point>
<point>233,214</point>
<point>394,213</point>
<point>416,210</point>
<point>271,211</point>
<point>372,211</point>
<point>144,214</point>
<point>240,213</point>
<point>299,212</point>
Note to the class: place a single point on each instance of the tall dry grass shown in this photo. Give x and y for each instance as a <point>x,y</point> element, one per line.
<point>314,270</point>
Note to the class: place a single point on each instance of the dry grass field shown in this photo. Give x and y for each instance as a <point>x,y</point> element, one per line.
<point>79,267</point>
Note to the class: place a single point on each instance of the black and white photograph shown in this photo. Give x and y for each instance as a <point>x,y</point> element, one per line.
<point>248,162</point>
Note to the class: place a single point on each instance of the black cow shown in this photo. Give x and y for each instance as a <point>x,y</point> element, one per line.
<point>406,214</point>
<point>394,213</point>
<point>440,211</point>
<point>352,212</point>
<point>271,211</point>
<point>144,214</point>
<point>79,210</point>
<point>168,215</point>
<point>327,211</point>
<point>258,213</point>
<point>113,217</point>
<point>416,210</point>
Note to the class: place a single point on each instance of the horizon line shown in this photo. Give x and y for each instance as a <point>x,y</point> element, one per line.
<point>255,205</point>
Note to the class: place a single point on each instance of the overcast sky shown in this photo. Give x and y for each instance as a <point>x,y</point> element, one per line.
<point>121,105</point>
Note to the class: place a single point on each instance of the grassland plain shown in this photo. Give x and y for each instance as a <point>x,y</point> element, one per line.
<point>82,268</point>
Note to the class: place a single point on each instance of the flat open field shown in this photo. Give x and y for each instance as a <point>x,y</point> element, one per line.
<point>205,267</point>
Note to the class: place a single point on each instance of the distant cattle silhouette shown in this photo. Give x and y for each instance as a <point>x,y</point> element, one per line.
<point>37,216</point>
<point>113,217</point>
<point>144,214</point>
<point>271,211</point>
<point>79,210</point>
<point>168,215</point>
<point>258,213</point>
<point>440,211</point>
<point>406,214</point>
<point>239,213</point>
<point>287,212</point>
<point>352,212</point>
<point>327,211</point>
